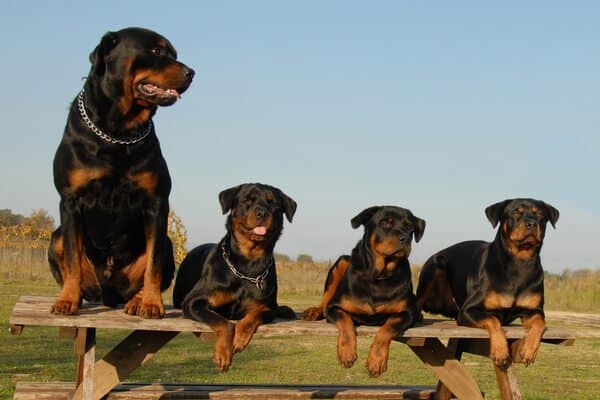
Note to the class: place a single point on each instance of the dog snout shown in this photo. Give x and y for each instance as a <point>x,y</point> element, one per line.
<point>530,223</point>
<point>260,212</point>
<point>188,72</point>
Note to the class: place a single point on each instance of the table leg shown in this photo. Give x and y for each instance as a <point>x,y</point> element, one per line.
<point>85,349</point>
<point>507,383</point>
<point>132,352</point>
<point>455,348</point>
<point>448,369</point>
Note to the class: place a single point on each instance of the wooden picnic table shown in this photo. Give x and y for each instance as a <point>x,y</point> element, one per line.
<point>96,379</point>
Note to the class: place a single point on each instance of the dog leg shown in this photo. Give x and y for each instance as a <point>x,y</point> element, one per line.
<point>152,305</point>
<point>499,352</point>
<point>67,251</point>
<point>377,360</point>
<point>346,344</point>
<point>535,326</point>
<point>256,315</point>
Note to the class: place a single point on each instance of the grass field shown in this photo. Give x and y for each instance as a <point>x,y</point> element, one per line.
<point>559,373</point>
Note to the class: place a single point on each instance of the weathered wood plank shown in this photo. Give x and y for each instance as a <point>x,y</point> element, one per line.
<point>62,391</point>
<point>35,311</point>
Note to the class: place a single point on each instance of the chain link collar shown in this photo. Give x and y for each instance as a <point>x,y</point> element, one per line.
<point>258,281</point>
<point>106,136</point>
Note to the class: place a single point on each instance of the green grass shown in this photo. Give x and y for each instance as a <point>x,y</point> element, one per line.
<point>40,355</point>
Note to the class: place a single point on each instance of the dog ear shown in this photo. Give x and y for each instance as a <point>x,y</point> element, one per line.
<point>289,205</point>
<point>97,57</point>
<point>363,217</point>
<point>227,197</point>
<point>551,212</point>
<point>494,212</point>
<point>419,228</point>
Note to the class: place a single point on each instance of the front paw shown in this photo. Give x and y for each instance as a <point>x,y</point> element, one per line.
<point>223,354</point>
<point>347,355</point>
<point>500,355</point>
<point>377,361</point>
<point>241,339</point>
<point>313,314</point>
<point>151,310</point>
<point>65,307</point>
<point>527,351</point>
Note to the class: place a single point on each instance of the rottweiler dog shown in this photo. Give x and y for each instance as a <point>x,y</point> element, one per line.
<point>488,285</point>
<point>373,285</point>
<point>236,278</point>
<point>112,243</point>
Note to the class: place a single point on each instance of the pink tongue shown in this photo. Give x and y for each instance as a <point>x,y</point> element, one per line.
<point>259,230</point>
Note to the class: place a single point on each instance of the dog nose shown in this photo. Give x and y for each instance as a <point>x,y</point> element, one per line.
<point>260,212</point>
<point>530,223</point>
<point>188,72</point>
<point>403,239</point>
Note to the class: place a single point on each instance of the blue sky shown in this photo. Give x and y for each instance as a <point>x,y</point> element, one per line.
<point>439,107</point>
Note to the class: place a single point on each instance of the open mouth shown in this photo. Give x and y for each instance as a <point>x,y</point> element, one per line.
<point>259,232</point>
<point>156,94</point>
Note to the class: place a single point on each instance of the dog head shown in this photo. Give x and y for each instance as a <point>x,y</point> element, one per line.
<point>388,234</point>
<point>138,68</point>
<point>256,214</point>
<point>522,225</point>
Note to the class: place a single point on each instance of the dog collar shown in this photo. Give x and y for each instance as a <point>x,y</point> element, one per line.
<point>106,136</point>
<point>258,281</point>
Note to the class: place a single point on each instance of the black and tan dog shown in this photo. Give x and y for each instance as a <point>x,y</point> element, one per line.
<point>113,182</point>
<point>487,285</point>
<point>373,285</point>
<point>236,278</point>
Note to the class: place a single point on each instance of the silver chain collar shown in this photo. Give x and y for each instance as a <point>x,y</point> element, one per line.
<point>103,135</point>
<point>258,281</point>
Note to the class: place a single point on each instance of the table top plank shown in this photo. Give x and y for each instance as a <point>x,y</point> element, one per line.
<point>35,311</point>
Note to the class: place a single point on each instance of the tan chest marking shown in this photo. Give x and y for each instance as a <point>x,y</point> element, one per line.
<point>79,177</point>
<point>354,307</point>
<point>496,301</point>
<point>145,180</point>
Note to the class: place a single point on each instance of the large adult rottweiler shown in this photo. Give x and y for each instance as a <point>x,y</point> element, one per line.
<point>373,285</point>
<point>236,278</point>
<point>487,285</point>
<point>113,181</point>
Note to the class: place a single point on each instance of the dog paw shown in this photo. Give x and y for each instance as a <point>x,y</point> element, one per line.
<point>347,356</point>
<point>151,311</point>
<point>133,305</point>
<point>527,352</point>
<point>376,366</point>
<point>313,314</point>
<point>501,357</point>
<point>377,362</point>
<point>223,354</point>
<point>241,339</point>
<point>65,307</point>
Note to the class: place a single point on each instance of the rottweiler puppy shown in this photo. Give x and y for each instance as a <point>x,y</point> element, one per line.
<point>112,243</point>
<point>488,285</point>
<point>373,285</point>
<point>236,278</point>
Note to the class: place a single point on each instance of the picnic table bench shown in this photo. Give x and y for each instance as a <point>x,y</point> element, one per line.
<point>97,379</point>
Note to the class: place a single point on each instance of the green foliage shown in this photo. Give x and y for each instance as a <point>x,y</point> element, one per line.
<point>7,218</point>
